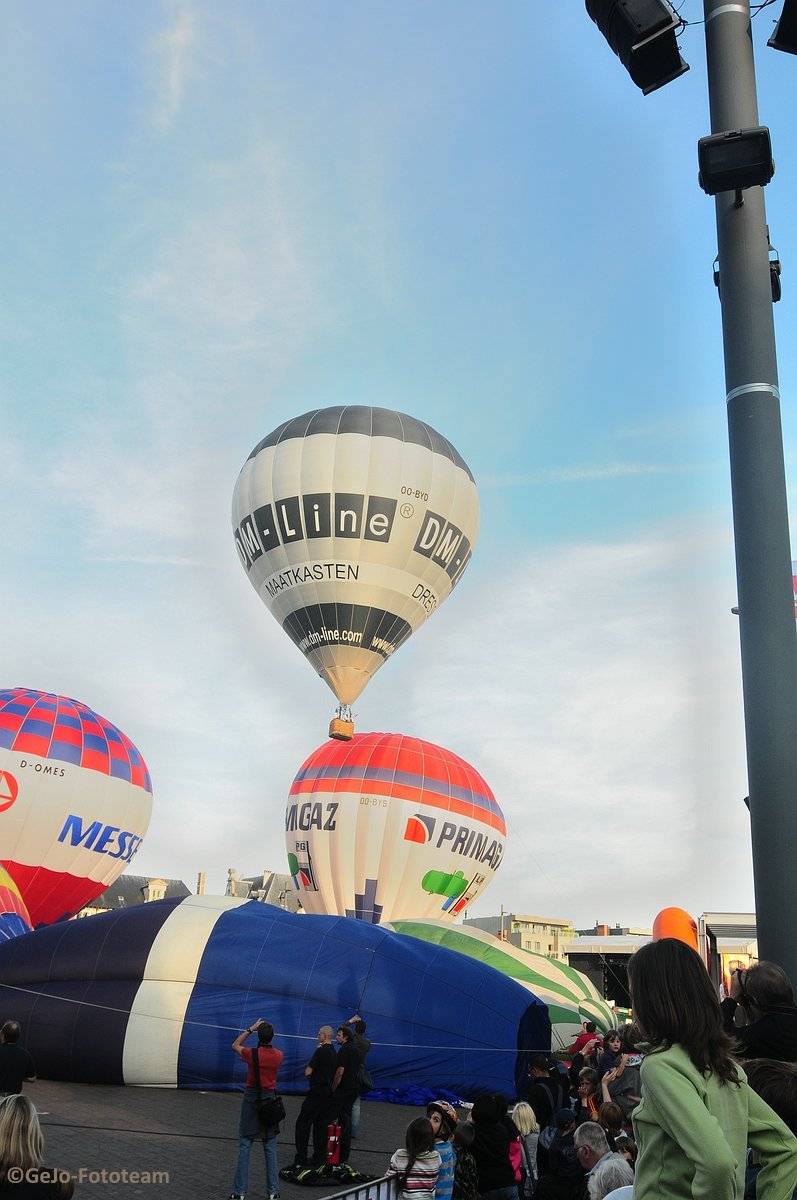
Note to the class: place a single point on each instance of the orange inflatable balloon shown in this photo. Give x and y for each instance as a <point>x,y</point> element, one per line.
<point>676,923</point>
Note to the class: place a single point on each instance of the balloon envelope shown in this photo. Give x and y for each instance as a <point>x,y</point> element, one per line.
<point>570,996</point>
<point>75,801</point>
<point>676,923</point>
<point>353,525</point>
<point>387,826</point>
<point>155,994</point>
<point>14,916</point>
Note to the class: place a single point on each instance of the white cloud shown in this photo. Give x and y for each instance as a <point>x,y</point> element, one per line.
<point>597,691</point>
<point>172,48</point>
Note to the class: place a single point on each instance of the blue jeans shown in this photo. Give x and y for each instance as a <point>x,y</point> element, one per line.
<point>355,1117</point>
<point>241,1181</point>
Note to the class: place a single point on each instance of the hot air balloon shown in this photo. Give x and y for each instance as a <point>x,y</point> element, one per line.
<point>75,801</point>
<point>570,996</point>
<point>385,826</point>
<point>353,525</point>
<point>14,916</point>
<point>155,994</point>
<point>676,923</point>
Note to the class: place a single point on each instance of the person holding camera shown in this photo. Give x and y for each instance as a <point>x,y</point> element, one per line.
<point>262,1062</point>
<point>765,997</point>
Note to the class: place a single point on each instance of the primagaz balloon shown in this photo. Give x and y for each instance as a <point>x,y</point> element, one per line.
<point>385,827</point>
<point>353,525</point>
<point>75,801</point>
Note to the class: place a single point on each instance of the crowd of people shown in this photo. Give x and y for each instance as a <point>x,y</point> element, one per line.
<point>336,1074</point>
<point>696,1101</point>
<point>685,1104</point>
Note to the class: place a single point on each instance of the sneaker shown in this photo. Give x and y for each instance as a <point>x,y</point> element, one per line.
<point>273,1196</point>
<point>237,1196</point>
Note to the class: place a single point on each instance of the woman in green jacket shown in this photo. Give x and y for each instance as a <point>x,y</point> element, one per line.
<point>698,1115</point>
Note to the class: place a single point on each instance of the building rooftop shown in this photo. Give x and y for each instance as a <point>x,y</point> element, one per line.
<point>129,890</point>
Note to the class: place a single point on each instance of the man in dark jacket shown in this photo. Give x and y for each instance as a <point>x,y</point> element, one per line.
<point>317,1105</point>
<point>16,1064</point>
<point>549,1092</point>
<point>363,1045</point>
<point>344,1086</point>
<point>564,1178</point>
<point>765,996</point>
<point>490,1150</point>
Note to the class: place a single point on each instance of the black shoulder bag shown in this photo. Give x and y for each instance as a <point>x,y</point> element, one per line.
<point>270,1109</point>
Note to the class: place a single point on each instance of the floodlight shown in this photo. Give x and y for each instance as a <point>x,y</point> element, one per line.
<point>785,34</point>
<point>642,35</point>
<point>730,162</point>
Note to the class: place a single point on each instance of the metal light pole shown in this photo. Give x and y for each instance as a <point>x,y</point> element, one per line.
<point>760,515</point>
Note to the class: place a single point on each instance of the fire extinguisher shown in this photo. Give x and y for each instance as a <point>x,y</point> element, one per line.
<point>333,1143</point>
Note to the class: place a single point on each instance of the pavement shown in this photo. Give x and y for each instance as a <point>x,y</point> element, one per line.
<point>165,1144</point>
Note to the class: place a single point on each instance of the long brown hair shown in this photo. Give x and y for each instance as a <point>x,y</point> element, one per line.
<point>418,1140</point>
<point>674,1002</point>
<point>21,1138</point>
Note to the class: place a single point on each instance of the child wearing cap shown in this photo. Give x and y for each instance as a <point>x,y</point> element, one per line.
<point>443,1118</point>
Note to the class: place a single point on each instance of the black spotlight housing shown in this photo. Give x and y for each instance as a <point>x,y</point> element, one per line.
<point>785,34</point>
<point>642,33</point>
<point>733,161</point>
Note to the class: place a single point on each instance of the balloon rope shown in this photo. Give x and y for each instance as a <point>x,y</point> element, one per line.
<point>294,1037</point>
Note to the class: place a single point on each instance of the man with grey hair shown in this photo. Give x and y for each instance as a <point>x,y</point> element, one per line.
<point>317,1105</point>
<point>591,1145</point>
<point>610,1173</point>
<point>605,1169</point>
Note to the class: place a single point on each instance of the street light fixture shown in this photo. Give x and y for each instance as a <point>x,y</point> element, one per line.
<point>642,34</point>
<point>730,162</point>
<point>785,35</point>
<point>736,157</point>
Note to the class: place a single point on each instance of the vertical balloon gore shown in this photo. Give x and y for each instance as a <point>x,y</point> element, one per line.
<point>75,801</point>
<point>385,827</point>
<point>354,524</point>
<point>14,916</point>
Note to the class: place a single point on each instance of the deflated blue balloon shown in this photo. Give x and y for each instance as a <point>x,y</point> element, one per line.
<point>156,994</point>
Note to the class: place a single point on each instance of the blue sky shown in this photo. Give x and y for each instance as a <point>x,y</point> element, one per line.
<point>218,217</point>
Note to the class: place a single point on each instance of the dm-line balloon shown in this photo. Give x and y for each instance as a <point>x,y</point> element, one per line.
<point>75,801</point>
<point>385,826</point>
<point>354,524</point>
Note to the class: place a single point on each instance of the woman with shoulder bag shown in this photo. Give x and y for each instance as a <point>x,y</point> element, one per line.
<point>263,1062</point>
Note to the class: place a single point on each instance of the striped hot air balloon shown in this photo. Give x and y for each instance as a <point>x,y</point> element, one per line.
<point>571,997</point>
<point>14,916</point>
<point>387,826</point>
<point>354,524</point>
<point>155,995</point>
<point>75,801</point>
